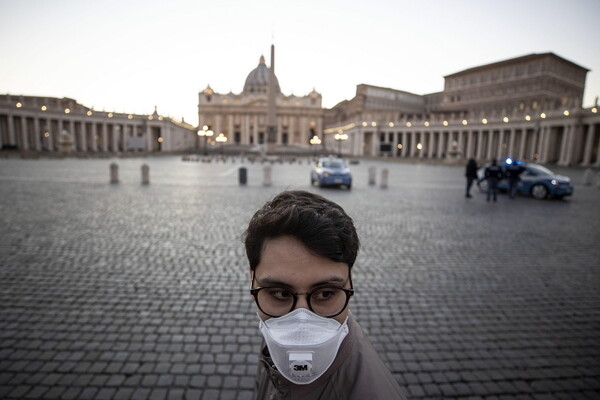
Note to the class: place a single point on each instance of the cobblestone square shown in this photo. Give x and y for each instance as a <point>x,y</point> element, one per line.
<point>131,291</point>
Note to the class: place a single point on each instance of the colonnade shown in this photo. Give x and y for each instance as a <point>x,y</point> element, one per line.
<point>564,141</point>
<point>31,124</point>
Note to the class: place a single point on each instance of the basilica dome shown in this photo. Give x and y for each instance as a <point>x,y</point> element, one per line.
<point>258,79</point>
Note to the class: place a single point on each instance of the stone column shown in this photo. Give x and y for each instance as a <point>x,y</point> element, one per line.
<point>24,134</point>
<point>479,152</point>
<point>12,139</point>
<point>598,155</point>
<point>430,144</point>
<point>571,144</point>
<point>511,143</point>
<point>84,141</point>
<point>37,134</point>
<point>523,143</point>
<point>470,136</point>
<point>403,142</point>
<point>50,135</point>
<point>149,139</point>
<point>490,145</point>
<point>94,140</point>
<point>461,144</point>
<point>441,139</point>
<point>589,142</point>
<point>564,144</point>
<point>500,150</point>
<point>546,137</point>
<point>115,138</point>
<point>304,131</point>
<point>104,137</point>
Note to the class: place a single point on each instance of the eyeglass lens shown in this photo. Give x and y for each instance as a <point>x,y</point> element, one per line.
<point>323,301</point>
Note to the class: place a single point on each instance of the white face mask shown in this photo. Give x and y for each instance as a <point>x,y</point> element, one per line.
<point>302,344</point>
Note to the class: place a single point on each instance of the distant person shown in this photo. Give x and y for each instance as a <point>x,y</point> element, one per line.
<point>493,175</point>
<point>301,248</point>
<point>513,175</point>
<point>471,175</point>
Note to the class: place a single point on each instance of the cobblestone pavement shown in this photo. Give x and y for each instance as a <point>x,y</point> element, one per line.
<point>133,292</point>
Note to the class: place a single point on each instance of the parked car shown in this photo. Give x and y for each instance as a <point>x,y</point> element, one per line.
<point>331,171</point>
<point>536,180</point>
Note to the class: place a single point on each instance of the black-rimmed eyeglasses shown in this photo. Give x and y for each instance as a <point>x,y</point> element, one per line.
<point>327,300</point>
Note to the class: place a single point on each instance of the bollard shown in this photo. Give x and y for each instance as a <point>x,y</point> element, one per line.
<point>267,176</point>
<point>587,177</point>
<point>243,175</point>
<point>384,178</point>
<point>145,174</point>
<point>114,173</point>
<point>371,175</point>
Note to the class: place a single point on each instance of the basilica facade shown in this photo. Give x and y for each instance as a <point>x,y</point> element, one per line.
<point>243,117</point>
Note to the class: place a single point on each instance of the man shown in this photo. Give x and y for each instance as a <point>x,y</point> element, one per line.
<point>493,175</point>
<point>471,174</point>
<point>301,248</point>
<point>513,174</point>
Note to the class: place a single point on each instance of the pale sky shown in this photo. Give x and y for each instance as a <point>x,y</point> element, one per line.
<point>130,55</point>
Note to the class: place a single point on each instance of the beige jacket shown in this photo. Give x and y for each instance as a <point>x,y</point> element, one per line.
<point>357,373</point>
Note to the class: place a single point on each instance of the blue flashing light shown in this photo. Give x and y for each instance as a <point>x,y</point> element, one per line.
<point>508,161</point>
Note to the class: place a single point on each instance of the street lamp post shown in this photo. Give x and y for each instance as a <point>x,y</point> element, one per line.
<point>340,136</point>
<point>221,139</point>
<point>315,141</point>
<point>205,133</point>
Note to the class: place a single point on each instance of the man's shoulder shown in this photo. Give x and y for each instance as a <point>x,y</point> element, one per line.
<point>363,374</point>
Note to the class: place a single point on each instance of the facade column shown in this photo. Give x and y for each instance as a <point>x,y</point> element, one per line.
<point>148,137</point>
<point>116,130</point>
<point>564,143</point>
<point>547,136</point>
<point>37,134</point>
<point>597,164</point>
<point>245,129</point>
<point>104,129</point>
<point>523,143</point>
<point>511,143</point>
<point>470,137</point>
<point>589,142</point>
<point>403,142</point>
<point>127,132</point>
<point>460,152</point>
<point>50,135</point>
<point>12,139</point>
<point>441,139</point>
<point>571,144</point>
<point>94,134</point>
<point>83,135</point>
<point>490,145</point>
<point>430,144</point>
<point>479,152</point>
<point>411,150</point>
<point>500,150</point>
<point>24,137</point>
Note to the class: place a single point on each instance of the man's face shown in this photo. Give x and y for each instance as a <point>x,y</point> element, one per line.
<point>286,262</point>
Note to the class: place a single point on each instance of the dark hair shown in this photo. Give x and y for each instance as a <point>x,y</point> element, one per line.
<point>320,224</point>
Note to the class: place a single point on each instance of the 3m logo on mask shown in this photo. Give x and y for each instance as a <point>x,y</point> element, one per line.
<point>300,363</point>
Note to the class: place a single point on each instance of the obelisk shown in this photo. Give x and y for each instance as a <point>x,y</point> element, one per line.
<point>271,107</point>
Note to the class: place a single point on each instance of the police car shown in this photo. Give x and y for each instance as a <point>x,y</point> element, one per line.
<point>535,180</point>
